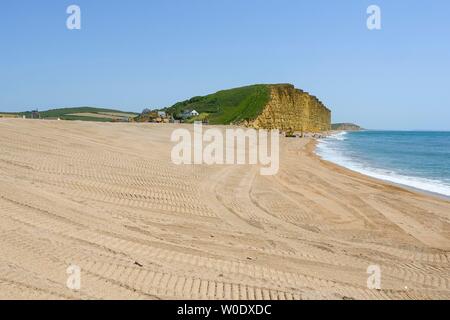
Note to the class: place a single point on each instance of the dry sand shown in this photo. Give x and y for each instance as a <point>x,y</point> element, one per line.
<point>106,197</point>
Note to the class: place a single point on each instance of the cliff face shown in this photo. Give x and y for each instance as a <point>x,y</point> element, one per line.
<point>291,109</point>
<point>268,106</point>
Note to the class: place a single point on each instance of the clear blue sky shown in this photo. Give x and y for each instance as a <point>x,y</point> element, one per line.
<point>135,54</point>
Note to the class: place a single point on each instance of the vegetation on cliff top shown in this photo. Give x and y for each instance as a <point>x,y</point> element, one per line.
<point>227,106</point>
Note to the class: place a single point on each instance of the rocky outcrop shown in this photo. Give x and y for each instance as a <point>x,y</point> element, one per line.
<point>290,109</point>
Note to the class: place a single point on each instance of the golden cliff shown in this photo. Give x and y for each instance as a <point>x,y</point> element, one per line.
<point>290,109</point>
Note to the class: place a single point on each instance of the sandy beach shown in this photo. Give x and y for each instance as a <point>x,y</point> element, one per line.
<point>106,197</point>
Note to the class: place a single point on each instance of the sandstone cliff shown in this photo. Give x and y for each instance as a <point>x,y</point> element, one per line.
<point>291,109</point>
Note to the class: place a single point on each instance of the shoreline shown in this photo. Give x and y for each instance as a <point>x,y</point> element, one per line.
<point>392,183</point>
<point>108,199</point>
<point>312,151</point>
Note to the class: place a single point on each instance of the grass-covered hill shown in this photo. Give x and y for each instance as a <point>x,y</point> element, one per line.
<point>82,113</point>
<point>226,106</point>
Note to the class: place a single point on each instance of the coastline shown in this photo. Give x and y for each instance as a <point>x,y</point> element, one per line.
<point>313,151</point>
<point>106,197</point>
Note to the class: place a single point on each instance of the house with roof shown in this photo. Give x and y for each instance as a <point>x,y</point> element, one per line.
<point>189,114</point>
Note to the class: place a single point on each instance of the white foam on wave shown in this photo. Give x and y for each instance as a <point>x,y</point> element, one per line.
<point>327,152</point>
<point>341,136</point>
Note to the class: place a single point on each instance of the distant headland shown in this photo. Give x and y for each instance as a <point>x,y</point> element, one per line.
<point>345,127</point>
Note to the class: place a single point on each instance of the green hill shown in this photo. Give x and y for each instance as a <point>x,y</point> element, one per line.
<point>83,113</point>
<point>226,106</point>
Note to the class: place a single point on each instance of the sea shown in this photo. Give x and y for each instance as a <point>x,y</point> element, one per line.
<point>417,159</point>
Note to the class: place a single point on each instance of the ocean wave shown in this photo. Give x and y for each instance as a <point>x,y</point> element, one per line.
<point>341,136</point>
<point>327,152</point>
